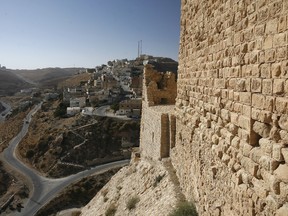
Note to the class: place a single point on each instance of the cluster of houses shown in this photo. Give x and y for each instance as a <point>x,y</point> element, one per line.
<point>118,82</point>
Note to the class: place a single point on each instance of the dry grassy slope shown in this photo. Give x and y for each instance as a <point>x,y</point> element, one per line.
<point>10,129</point>
<point>10,83</point>
<point>75,80</point>
<point>41,75</point>
<point>151,182</point>
<point>51,141</point>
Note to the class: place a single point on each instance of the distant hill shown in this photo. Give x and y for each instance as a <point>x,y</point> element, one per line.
<point>47,77</point>
<point>11,83</point>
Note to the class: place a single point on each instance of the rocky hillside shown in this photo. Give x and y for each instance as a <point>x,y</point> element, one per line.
<point>143,188</point>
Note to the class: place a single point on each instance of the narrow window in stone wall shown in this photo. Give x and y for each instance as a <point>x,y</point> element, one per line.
<point>152,136</point>
<point>172,131</point>
<point>163,101</point>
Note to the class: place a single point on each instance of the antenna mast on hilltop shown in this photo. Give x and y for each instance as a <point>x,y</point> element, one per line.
<point>139,48</point>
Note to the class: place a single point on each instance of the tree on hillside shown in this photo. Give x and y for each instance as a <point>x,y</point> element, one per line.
<point>115,107</point>
<point>61,110</point>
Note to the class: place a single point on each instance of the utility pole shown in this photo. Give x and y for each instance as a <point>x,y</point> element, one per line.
<point>139,48</point>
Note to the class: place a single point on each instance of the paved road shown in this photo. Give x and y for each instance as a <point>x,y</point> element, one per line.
<point>44,189</point>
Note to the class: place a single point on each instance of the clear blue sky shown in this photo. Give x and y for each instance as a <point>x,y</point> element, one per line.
<point>68,33</point>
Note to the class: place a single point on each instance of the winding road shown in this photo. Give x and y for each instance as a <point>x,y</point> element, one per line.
<point>44,189</point>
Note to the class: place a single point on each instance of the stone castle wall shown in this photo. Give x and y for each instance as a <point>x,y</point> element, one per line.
<point>231,150</point>
<point>158,124</point>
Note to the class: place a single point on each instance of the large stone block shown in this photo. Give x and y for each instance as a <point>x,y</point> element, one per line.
<point>268,42</point>
<point>278,86</point>
<point>260,188</point>
<point>267,86</point>
<point>245,97</point>
<point>284,152</point>
<point>276,70</point>
<point>282,24</point>
<point>262,129</point>
<point>283,122</point>
<point>286,88</point>
<point>258,100</point>
<point>246,110</point>
<point>271,26</point>
<point>256,153</point>
<point>281,53</point>
<point>276,152</point>
<point>246,148</point>
<point>266,145</point>
<point>244,122</point>
<point>280,40</point>
<point>268,163</point>
<point>281,104</point>
<point>265,71</point>
<point>284,136</point>
<point>256,84</point>
<point>282,172</point>
<point>270,55</point>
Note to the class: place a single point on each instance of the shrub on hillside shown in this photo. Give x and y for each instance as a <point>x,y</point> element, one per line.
<point>111,210</point>
<point>131,203</point>
<point>30,153</point>
<point>184,209</point>
<point>114,107</point>
<point>61,110</point>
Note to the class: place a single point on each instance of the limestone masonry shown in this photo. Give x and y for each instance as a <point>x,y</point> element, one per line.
<point>231,150</point>
<point>158,123</point>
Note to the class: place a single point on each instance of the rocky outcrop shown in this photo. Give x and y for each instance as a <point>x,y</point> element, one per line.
<point>149,183</point>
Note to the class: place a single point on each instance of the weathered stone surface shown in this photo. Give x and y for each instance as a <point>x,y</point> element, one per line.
<point>266,145</point>
<point>283,122</point>
<point>262,129</point>
<point>284,152</point>
<point>282,172</point>
<point>283,211</point>
<point>248,48</point>
<point>150,182</point>
<point>277,153</point>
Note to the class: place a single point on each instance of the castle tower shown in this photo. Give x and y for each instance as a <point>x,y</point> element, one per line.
<point>158,121</point>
